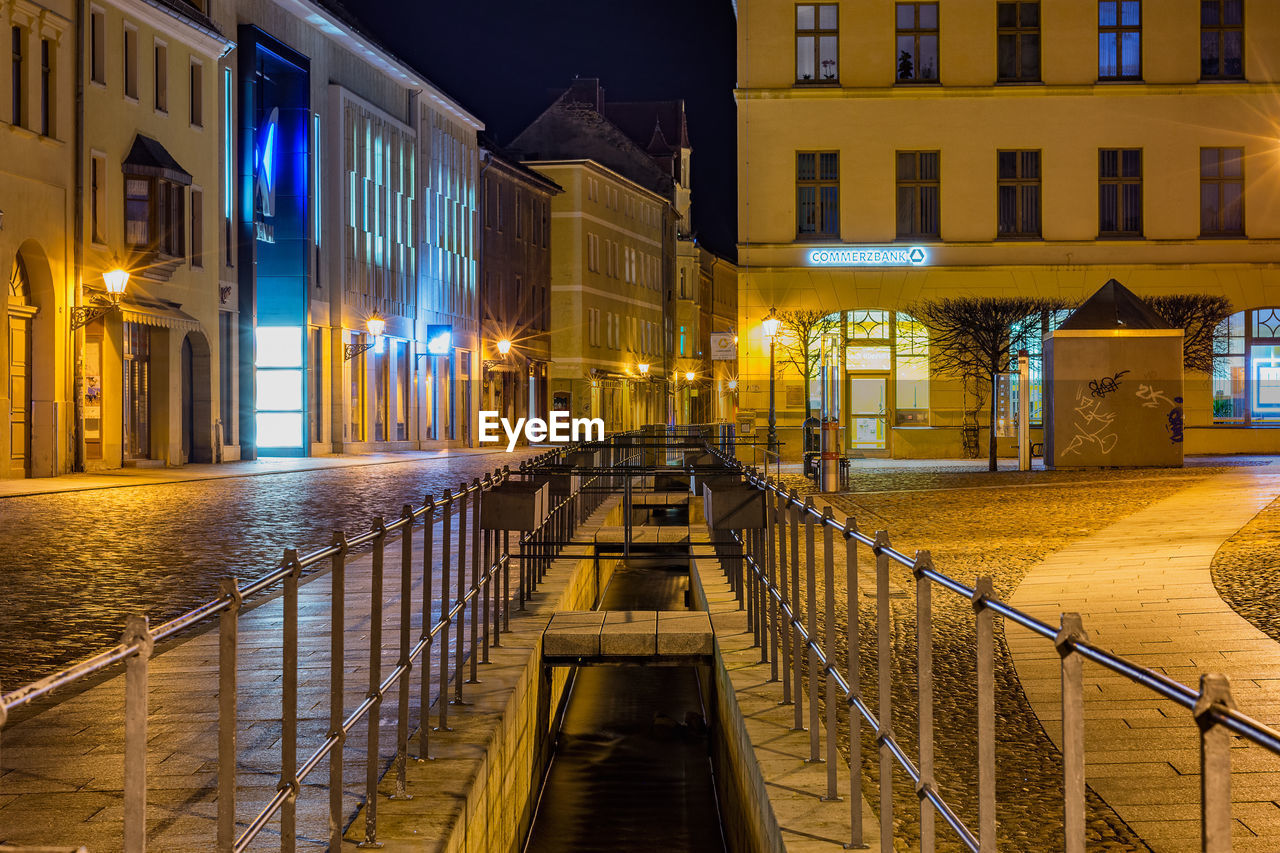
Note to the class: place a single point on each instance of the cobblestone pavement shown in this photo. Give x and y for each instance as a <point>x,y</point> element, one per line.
<point>75,564</point>
<point>1245,570</point>
<point>1000,524</point>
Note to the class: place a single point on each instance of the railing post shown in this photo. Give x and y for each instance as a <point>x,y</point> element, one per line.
<point>811,625</point>
<point>924,692</point>
<point>854,662</point>
<point>506,581</point>
<point>477,602</point>
<point>771,555</point>
<point>829,618</point>
<point>486,575</point>
<point>797,644</point>
<point>884,677</point>
<point>1215,763</point>
<point>372,764</point>
<point>428,625</point>
<point>136,631</point>
<point>404,664</point>
<point>289,706</point>
<point>337,672</point>
<point>228,642</point>
<point>1072,632</point>
<point>784,623</point>
<point>984,625</point>
<point>460,639</point>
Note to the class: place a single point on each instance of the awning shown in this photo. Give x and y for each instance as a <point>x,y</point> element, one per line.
<point>156,313</point>
<point>148,157</point>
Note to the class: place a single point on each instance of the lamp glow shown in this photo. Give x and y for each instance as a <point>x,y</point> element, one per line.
<point>771,324</point>
<point>439,339</point>
<point>644,368</point>
<point>688,377</point>
<point>504,346</point>
<point>116,280</point>
<point>376,326</point>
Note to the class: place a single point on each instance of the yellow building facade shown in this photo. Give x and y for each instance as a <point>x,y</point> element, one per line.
<point>606,327</point>
<point>1024,148</point>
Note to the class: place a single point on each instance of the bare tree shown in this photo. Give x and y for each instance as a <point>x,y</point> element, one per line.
<point>1198,315</point>
<point>800,338</point>
<point>976,336</point>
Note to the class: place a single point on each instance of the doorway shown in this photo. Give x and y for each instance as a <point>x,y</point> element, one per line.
<point>868,396</point>
<point>19,393</point>
<point>137,391</point>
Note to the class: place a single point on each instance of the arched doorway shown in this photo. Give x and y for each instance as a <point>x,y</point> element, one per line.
<point>197,399</point>
<point>21,313</point>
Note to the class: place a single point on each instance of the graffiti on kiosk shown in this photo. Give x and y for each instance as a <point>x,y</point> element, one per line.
<point>1092,424</point>
<point>1106,385</point>
<point>1151,398</point>
<point>1174,425</point>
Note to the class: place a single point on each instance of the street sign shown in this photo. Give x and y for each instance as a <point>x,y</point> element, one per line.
<point>724,346</point>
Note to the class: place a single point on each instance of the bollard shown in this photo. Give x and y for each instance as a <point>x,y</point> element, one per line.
<point>228,642</point>
<point>403,662</point>
<point>337,671</point>
<point>884,677</point>
<point>1215,764</point>
<point>924,694</point>
<point>1073,824</point>
<point>136,631</point>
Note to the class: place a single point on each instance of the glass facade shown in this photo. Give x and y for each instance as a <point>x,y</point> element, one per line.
<point>1246,369</point>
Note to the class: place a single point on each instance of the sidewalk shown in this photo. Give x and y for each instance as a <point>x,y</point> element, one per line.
<point>252,468</point>
<point>1144,590</point>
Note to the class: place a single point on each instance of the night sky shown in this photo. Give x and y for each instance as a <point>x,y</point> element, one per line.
<point>503,59</point>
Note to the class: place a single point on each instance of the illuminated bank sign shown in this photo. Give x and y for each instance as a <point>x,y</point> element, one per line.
<point>891,256</point>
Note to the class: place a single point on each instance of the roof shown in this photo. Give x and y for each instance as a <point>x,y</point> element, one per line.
<point>1113,306</point>
<point>512,163</point>
<point>645,120</point>
<point>149,157</point>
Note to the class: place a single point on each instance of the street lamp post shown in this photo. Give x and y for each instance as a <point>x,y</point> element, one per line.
<point>771,324</point>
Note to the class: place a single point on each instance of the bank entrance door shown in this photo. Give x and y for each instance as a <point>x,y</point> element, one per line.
<point>868,408</point>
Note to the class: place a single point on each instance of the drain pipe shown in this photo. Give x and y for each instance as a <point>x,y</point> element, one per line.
<point>77,254</point>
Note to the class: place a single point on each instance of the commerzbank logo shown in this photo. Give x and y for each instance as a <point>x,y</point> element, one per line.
<point>872,256</point>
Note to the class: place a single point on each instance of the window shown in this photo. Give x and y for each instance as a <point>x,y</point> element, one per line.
<point>17,75</point>
<point>98,198</point>
<point>816,43</point>
<point>162,78</point>
<point>1246,368</point>
<point>130,62</point>
<point>1119,40</point>
<point>1018,42</point>
<point>593,253</point>
<point>1018,193</point>
<point>917,43</point>
<point>197,94</point>
<point>197,227</point>
<point>818,194</point>
<point>1222,191</point>
<point>46,87</point>
<point>519,217</point>
<point>1120,192</point>
<point>98,47</point>
<point>1222,39</point>
<point>918,189</point>
<point>228,167</point>
<point>155,215</point>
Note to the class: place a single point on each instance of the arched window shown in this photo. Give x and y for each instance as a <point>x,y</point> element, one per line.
<point>19,283</point>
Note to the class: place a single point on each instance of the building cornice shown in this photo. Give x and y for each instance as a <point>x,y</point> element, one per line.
<point>174,24</point>
<point>391,65</point>
<point>603,170</point>
<point>1021,90</point>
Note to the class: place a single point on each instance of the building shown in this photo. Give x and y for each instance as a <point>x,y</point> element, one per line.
<point>719,281</point>
<point>515,284</point>
<point>1021,147</point>
<point>350,240</point>
<point>613,239</point>
<point>151,171</point>
<point>37,219</point>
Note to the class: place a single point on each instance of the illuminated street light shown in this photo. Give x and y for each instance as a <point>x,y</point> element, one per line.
<point>376,326</point>
<point>688,376</point>
<point>115,281</point>
<point>504,346</point>
<point>771,325</point>
<point>644,368</point>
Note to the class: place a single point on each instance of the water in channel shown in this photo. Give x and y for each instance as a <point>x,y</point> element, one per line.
<point>632,766</point>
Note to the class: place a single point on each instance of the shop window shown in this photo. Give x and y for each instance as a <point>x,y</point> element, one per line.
<point>1222,39</point>
<point>817,41</point>
<point>1119,40</point>
<point>917,45</point>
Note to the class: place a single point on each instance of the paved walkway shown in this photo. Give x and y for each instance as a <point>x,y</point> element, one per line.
<point>251,468</point>
<point>1144,590</point>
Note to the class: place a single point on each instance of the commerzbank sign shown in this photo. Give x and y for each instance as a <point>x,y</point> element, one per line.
<point>892,256</point>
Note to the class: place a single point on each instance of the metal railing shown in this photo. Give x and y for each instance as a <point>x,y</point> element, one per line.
<point>474,612</point>
<point>766,576</point>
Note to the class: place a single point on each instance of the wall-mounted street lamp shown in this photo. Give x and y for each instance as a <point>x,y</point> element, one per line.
<point>643,367</point>
<point>503,347</point>
<point>115,282</point>
<point>689,376</point>
<point>376,326</point>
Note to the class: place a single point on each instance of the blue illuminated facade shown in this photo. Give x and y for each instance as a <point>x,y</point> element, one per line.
<point>275,245</point>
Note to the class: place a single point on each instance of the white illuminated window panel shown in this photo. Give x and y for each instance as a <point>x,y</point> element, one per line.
<point>279,346</point>
<point>279,390</point>
<point>279,429</point>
